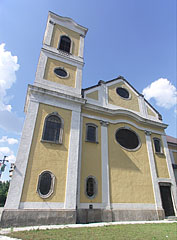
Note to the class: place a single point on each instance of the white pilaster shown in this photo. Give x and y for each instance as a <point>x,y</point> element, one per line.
<point>72,171</point>
<point>16,185</point>
<point>170,170</point>
<point>81,46</point>
<point>142,106</point>
<point>155,185</point>
<point>48,32</point>
<point>105,165</point>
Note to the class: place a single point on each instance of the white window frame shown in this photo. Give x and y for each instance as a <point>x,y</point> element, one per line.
<point>51,186</point>
<point>95,187</point>
<point>60,140</point>
<point>96,132</point>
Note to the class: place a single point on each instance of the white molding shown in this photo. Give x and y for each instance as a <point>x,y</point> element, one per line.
<point>172,156</point>
<point>121,206</point>
<point>60,55</point>
<point>54,98</point>
<point>120,121</point>
<point>81,46</point>
<point>17,182</point>
<point>155,185</point>
<point>41,205</point>
<point>79,79</point>
<point>171,172</point>
<point>73,156</point>
<point>41,67</point>
<point>48,33</point>
<point>105,165</point>
<point>142,106</point>
<point>122,111</point>
<point>68,23</point>
<point>134,206</point>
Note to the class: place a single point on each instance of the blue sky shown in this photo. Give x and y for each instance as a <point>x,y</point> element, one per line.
<point>132,38</point>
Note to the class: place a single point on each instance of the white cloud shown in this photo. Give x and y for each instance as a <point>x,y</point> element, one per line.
<point>6,151</point>
<point>164,93</point>
<point>8,67</point>
<point>10,141</point>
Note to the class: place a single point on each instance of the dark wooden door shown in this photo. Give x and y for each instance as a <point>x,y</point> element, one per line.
<point>167,203</point>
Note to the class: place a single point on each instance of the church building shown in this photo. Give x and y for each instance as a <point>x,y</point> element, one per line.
<point>87,155</point>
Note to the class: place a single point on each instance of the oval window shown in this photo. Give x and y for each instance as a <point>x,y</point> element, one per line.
<point>127,138</point>
<point>122,92</point>
<point>61,72</point>
<point>45,184</point>
<point>90,187</point>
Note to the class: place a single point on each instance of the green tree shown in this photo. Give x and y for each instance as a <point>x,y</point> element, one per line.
<point>4,187</point>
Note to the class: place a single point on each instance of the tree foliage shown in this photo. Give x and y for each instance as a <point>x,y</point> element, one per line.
<point>4,187</point>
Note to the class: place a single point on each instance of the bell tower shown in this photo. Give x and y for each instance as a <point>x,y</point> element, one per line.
<point>61,58</point>
<point>44,183</point>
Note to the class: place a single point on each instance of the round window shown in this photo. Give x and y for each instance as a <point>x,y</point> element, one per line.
<point>122,92</point>
<point>60,72</point>
<point>127,138</point>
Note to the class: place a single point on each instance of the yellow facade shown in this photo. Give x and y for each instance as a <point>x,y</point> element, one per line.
<point>130,177</point>
<point>175,157</point>
<point>160,159</point>
<point>51,76</point>
<point>59,31</point>
<point>47,156</point>
<point>91,163</point>
<point>115,99</point>
<point>93,95</point>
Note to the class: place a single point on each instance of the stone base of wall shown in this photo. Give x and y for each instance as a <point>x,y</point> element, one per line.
<point>24,217</point>
<point>21,217</point>
<point>101,215</point>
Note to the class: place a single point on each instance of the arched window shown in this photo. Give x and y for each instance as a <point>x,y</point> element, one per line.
<point>53,128</point>
<point>157,145</point>
<point>65,44</point>
<point>91,132</point>
<point>45,184</point>
<point>91,187</point>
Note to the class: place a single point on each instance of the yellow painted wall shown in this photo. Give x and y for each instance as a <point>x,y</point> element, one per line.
<point>91,163</point>
<point>47,156</point>
<point>59,31</point>
<point>175,157</point>
<point>130,177</point>
<point>160,159</point>
<point>51,76</point>
<point>93,95</point>
<point>150,112</point>
<point>115,99</point>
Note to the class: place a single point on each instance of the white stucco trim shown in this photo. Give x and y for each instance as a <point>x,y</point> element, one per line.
<point>120,121</point>
<point>120,206</point>
<point>48,33</point>
<point>40,67</point>
<point>73,156</point>
<point>17,182</point>
<point>172,156</point>
<point>155,185</point>
<point>81,46</point>
<point>105,165</point>
<point>42,205</point>
<point>133,206</point>
<point>68,23</point>
<point>142,106</point>
<point>79,79</point>
<point>171,172</point>
<point>79,163</point>
<point>54,98</point>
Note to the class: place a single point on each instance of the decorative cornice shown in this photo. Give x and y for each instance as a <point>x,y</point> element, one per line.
<point>112,112</point>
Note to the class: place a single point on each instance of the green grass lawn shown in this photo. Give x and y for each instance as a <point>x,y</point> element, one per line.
<point>122,232</point>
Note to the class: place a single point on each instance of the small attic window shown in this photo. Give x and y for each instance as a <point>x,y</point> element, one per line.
<point>65,44</point>
<point>122,92</point>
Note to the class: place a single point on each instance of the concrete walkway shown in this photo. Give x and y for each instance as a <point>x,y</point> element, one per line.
<point>18,229</point>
